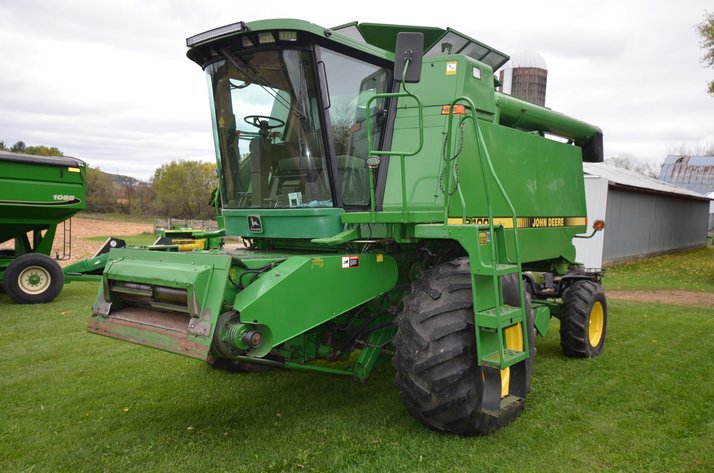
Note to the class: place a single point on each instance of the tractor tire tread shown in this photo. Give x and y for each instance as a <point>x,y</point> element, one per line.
<point>437,377</point>
<point>578,300</point>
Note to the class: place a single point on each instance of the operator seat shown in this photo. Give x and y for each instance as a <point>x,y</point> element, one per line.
<point>260,163</point>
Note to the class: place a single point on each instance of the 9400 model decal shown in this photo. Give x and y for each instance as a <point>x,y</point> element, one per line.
<point>525,222</point>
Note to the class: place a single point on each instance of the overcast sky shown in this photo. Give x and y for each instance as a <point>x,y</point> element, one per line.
<point>108,81</point>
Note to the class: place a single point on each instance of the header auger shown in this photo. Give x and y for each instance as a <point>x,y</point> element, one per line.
<point>393,205</point>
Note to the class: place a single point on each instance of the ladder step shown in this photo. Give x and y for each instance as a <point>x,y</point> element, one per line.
<point>508,316</point>
<point>510,358</point>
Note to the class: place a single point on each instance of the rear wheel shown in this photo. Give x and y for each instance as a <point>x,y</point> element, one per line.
<point>437,376</point>
<point>583,320</point>
<point>33,278</point>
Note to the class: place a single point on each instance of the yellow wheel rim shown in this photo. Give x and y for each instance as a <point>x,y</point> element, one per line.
<point>514,341</point>
<point>596,324</point>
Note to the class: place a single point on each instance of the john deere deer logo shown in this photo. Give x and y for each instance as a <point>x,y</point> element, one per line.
<point>255,225</point>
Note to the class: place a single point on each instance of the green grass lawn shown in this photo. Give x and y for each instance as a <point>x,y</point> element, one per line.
<point>73,401</point>
<point>690,270</point>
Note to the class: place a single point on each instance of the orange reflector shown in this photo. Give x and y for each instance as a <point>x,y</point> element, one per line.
<point>458,109</point>
<point>599,225</point>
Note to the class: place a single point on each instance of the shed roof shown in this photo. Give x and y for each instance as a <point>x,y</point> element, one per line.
<point>689,160</point>
<point>630,179</point>
<point>693,172</point>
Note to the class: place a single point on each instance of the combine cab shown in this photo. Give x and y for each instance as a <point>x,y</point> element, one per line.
<point>393,205</point>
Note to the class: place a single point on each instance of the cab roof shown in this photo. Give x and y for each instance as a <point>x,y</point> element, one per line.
<point>372,38</point>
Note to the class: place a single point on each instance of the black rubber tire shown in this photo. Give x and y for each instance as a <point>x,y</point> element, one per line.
<point>437,376</point>
<point>235,366</point>
<point>47,269</point>
<point>575,318</point>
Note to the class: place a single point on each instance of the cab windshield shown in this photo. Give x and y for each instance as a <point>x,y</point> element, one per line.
<point>284,137</point>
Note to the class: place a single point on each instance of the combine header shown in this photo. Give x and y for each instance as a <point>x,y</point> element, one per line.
<point>394,206</point>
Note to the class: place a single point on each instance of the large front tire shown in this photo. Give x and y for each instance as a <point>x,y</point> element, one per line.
<point>438,378</point>
<point>583,320</point>
<point>33,278</point>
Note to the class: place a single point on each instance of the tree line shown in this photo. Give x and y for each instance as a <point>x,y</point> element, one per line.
<point>179,189</point>
<point>21,147</point>
<point>706,32</point>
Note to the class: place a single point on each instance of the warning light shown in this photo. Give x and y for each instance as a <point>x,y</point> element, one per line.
<point>265,37</point>
<point>458,109</point>
<point>598,225</point>
<point>287,35</point>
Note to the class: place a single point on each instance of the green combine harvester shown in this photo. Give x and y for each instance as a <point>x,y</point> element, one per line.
<point>37,194</point>
<point>393,205</point>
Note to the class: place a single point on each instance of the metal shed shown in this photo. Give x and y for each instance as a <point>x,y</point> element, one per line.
<point>644,216</point>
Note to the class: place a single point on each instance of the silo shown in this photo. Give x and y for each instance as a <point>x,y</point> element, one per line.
<point>525,76</point>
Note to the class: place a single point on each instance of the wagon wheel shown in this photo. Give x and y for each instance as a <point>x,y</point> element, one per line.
<point>33,278</point>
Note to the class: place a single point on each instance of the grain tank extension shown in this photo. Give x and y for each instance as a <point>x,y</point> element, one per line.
<point>393,205</point>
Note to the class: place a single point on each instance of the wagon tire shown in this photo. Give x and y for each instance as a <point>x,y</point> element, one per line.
<point>33,278</point>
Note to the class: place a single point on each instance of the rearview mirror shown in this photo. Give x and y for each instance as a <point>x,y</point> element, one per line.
<point>410,46</point>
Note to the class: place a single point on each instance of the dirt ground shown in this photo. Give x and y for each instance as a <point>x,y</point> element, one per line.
<point>87,227</point>
<point>688,298</point>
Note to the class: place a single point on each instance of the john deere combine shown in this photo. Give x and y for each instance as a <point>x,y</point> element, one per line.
<point>393,205</point>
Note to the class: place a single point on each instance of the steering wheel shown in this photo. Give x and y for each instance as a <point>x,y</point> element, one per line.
<point>255,120</point>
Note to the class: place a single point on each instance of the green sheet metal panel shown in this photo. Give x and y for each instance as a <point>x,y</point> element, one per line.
<point>38,191</point>
<point>284,223</point>
<point>543,179</point>
<point>422,170</point>
<point>306,291</point>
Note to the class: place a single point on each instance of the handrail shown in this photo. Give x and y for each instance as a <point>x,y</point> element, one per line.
<point>401,154</point>
<point>485,160</point>
<point>483,152</point>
